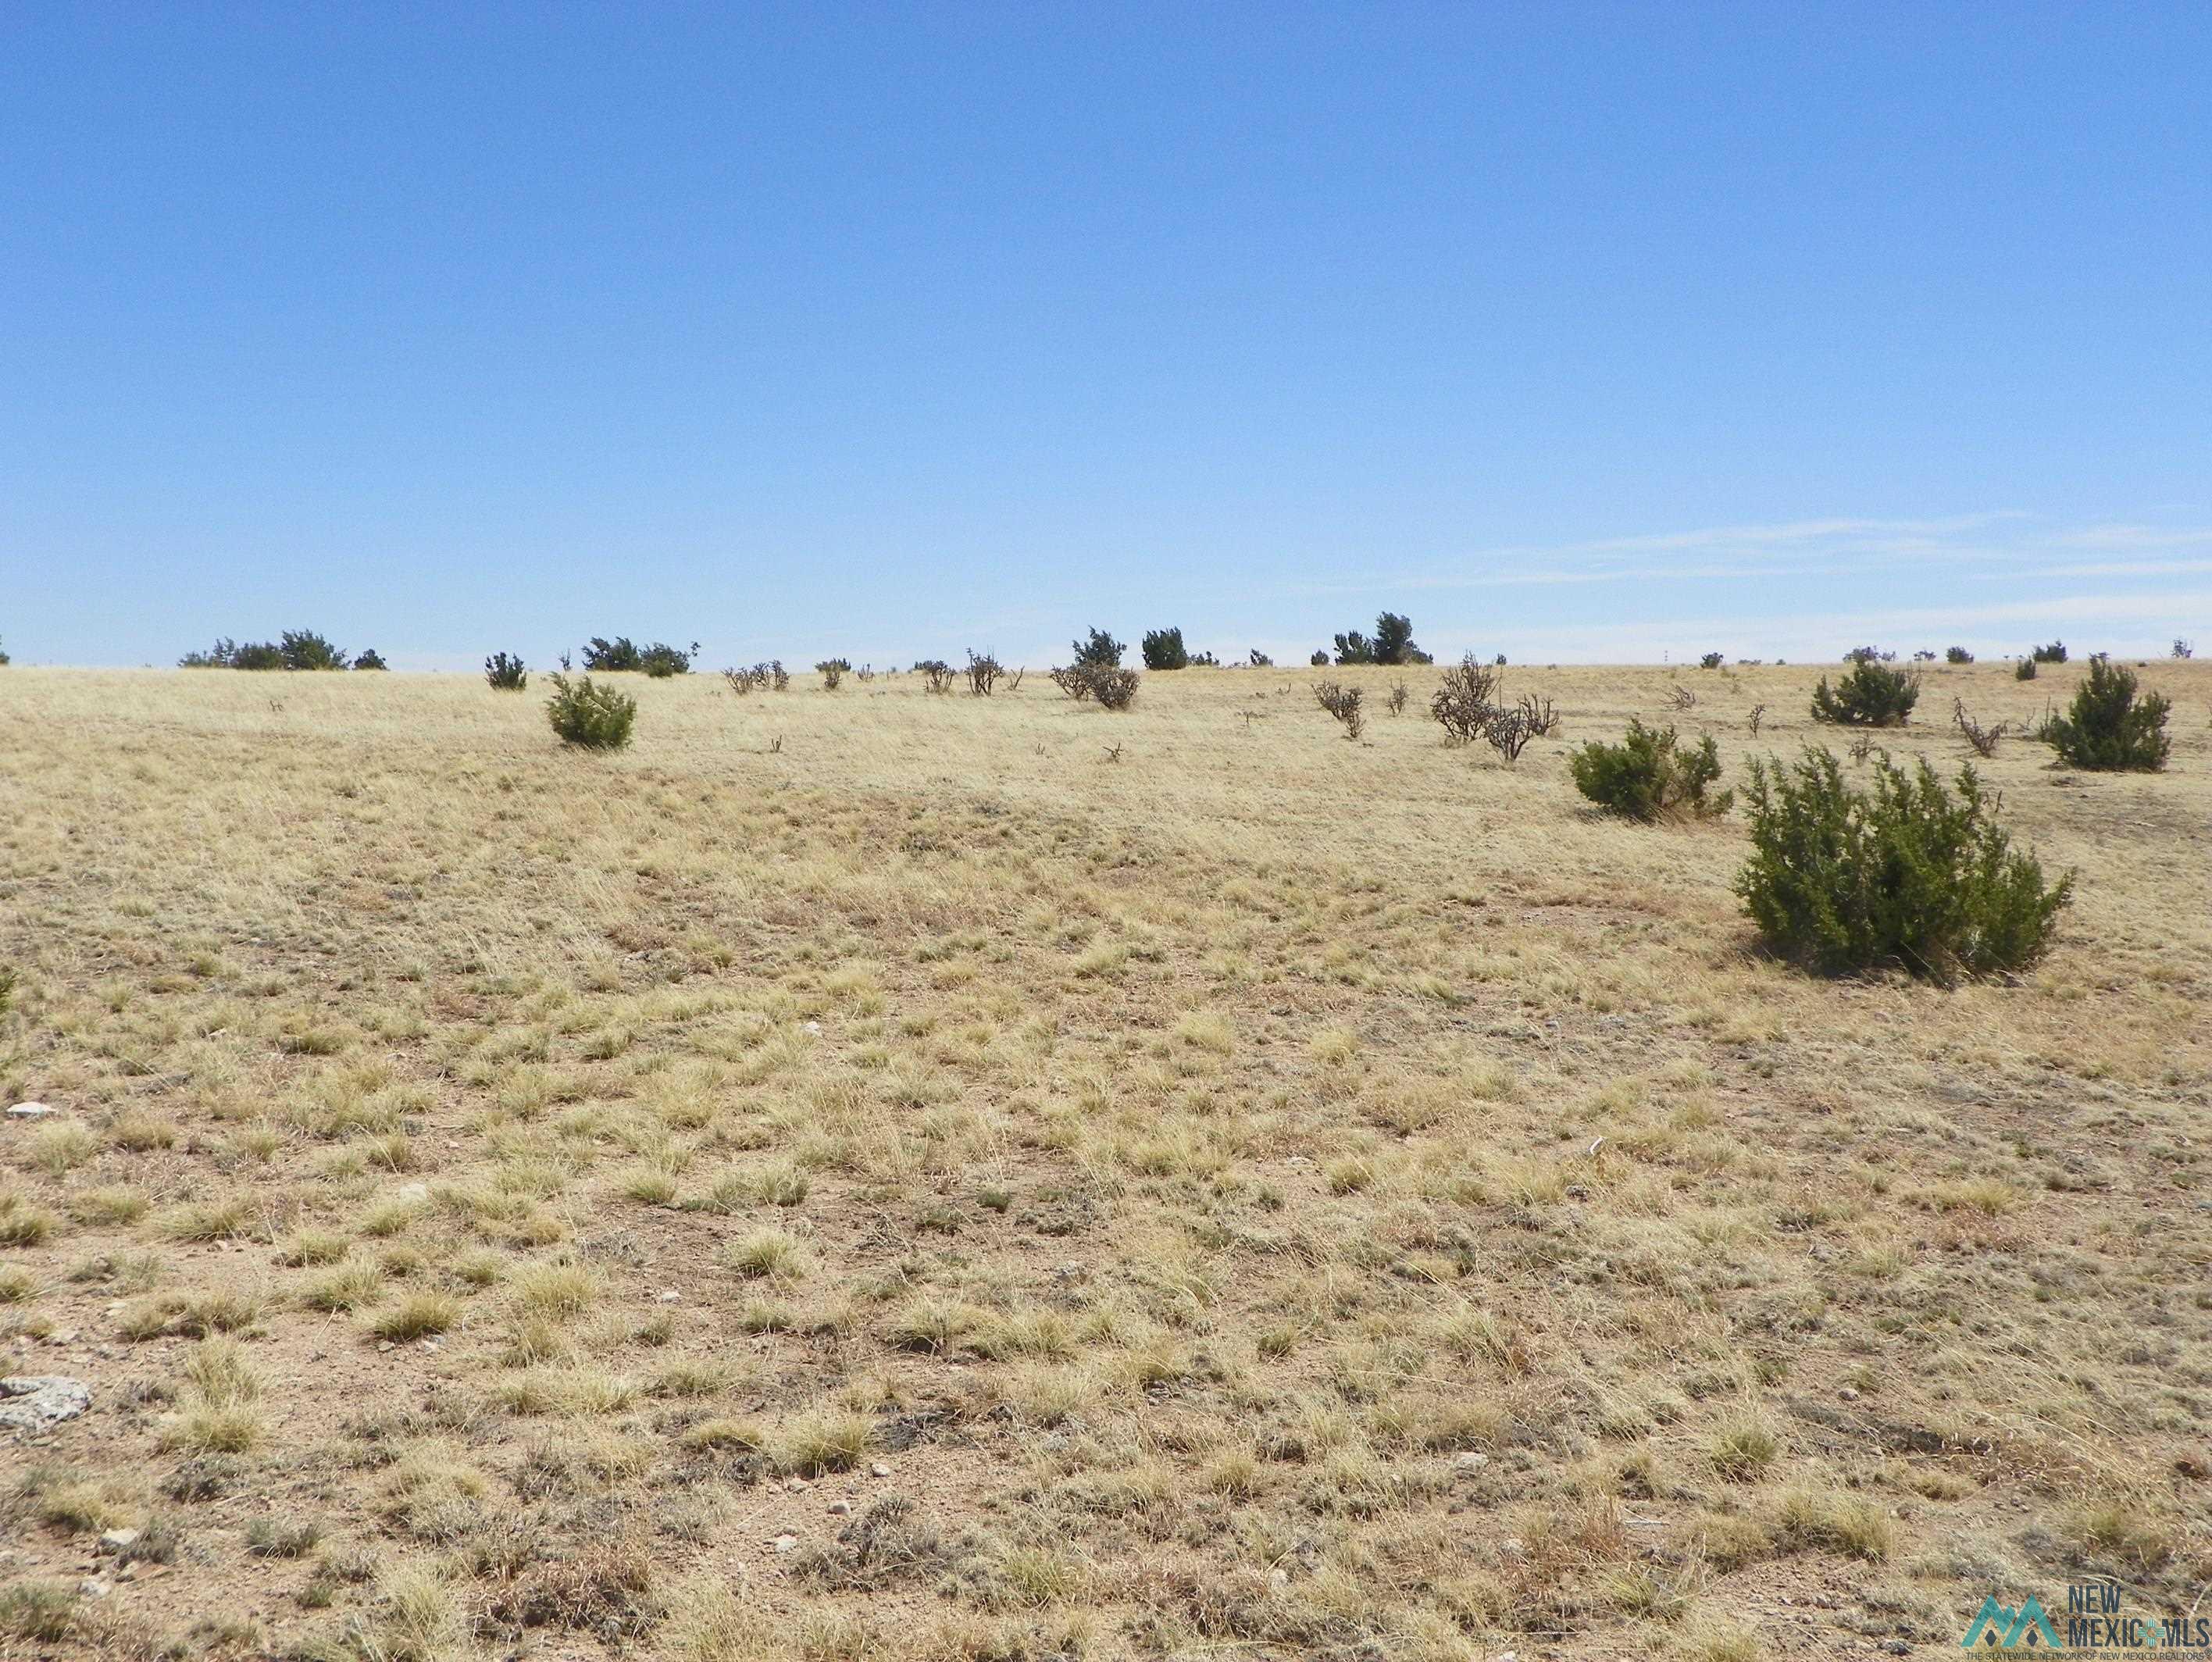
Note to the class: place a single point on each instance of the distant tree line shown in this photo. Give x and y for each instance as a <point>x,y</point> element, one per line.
<point>295,649</point>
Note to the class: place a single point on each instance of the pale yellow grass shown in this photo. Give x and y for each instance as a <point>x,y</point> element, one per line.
<point>1252,1192</point>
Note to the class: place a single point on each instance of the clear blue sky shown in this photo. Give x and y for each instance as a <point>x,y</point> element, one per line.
<point>1577,332</point>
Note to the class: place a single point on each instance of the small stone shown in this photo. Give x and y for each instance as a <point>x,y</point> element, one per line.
<point>786,1543</point>
<point>384,1345</point>
<point>1848,1394</point>
<point>798,1486</point>
<point>31,1111</point>
<point>814,1027</point>
<point>93,1587</point>
<point>840,1508</point>
<point>880,1470</point>
<point>1279,1577</point>
<point>1471,1462</point>
<point>116,1539</point>
<point>32,1402</point>
<point>670,1295</point>
<point>1514,1547</point>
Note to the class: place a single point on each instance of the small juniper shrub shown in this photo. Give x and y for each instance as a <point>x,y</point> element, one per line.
<point>937,676</point>
<point>2183,648</point>
<point>370,659</point>
<point>2053,653</point>
<point>2111,726</point>
<point>611,656</point>
<point>1648,776</point>
<point>1957,655</point>
<point>1868,655</point>
<point>1711,661</point>
<point>833,670</point>
<point>1906,873</point>
<point>1342,702</point>
<point>1164,650</point>
<point>1260,660</point>
<point>1873,694</point>
<point>305,649</point>
<point>505,673</point>
<point>1319,660</point>
<point>1100,648</point>
<point>661,660</point>
<point>1983,739</point>
<point>983,672</point>
<point>2025,670</point>
<point>1758,715</point>
<point>591,715</point>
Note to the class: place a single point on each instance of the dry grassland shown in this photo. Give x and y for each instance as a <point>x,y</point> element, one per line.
<point>935,1191</point>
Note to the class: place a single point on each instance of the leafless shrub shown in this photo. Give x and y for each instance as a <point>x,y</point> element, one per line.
<point>1465,704</point>
<point>984,673</point>
<point>1509,731</point>
<point>1343,703</point>
<point>771,673</point>
<point>1014,681</point>
<point>1983,739</point>
<point>1114,687</point>
<point>1538,714</point>
<point>936,674</point>
<point>1682,698</point>
<point>1758,715</point>
<point>1398,694</point>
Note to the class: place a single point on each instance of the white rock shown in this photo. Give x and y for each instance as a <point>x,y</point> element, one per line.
<point>32,1402</point>
<point>116,1539</point>
<point>93,1587</point>
<point>786,1543</point>
<point>1472,1462</point>
<point>880,1470</point>
<point>671,1296</point>
<point>31,1111</point>
<point>840,1508</point>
